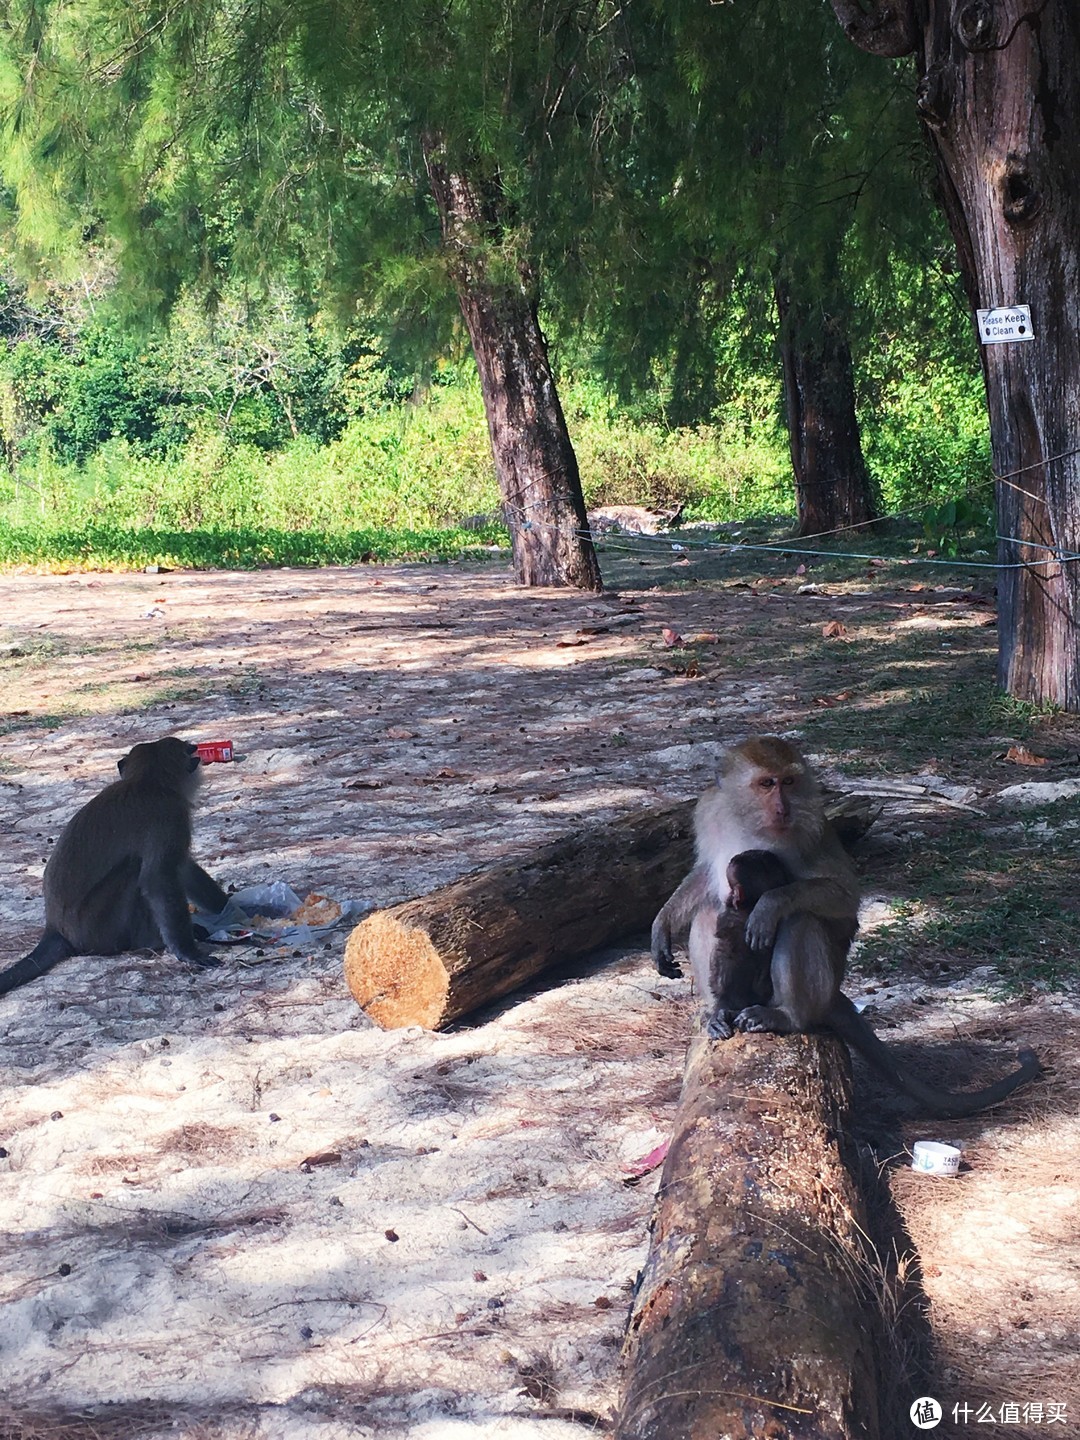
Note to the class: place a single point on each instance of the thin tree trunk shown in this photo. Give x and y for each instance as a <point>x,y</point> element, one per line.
<point>535,464</point>
<point>999,94</point>
<point>832,488</point>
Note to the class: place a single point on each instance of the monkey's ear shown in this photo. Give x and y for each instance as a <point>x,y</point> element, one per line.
<point>121,763</point>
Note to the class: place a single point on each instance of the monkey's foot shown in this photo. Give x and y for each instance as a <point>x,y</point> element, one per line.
<point>721,1026</point>
<point>758,1019</point>
<point>667,967</point>
<point>203,962</point>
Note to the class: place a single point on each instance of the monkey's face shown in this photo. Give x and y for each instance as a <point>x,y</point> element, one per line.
<point>774,795</point>
<point>737,897</point>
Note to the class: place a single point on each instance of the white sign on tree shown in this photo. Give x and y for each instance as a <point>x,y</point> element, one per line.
<point>1005,323</point>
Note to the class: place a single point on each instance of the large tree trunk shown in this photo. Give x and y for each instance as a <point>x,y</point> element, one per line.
<point>535,464</point>
<point>832,488</point>
<point>1000,96</point>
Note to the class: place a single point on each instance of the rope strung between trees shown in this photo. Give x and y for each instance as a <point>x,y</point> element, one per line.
<point>1054,556</point>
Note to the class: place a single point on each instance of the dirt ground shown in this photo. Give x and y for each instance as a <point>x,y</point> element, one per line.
<point>231,1207</point>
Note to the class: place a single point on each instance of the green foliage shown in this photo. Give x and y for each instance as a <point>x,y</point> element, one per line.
<point>109,547</point>
<point>921,402</point>
<point>279,200</point>
<point>414,465</point>
<point>633,162</point>
<point>286,141</point>
<point>107,389</point>
<point>409,463</point>
<point>259,374</point>
<point>1021,716</point>
<point>720,194</point>
<point>733,466</point>
<point>945,526</point>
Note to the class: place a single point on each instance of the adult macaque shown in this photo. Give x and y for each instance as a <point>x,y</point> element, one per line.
<point>121,873</point>
<point>784,971</point>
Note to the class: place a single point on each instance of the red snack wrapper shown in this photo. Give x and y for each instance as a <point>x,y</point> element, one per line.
<point>215,752</point>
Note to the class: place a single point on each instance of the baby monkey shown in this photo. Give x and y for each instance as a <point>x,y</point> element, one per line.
<point>739,976</point>
<point>772,908</point>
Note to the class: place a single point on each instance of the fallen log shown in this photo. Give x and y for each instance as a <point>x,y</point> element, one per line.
<point>430,961</point>
<point>753,1314</point>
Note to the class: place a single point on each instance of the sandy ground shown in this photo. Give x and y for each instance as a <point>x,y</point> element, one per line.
<point>231,1207</point>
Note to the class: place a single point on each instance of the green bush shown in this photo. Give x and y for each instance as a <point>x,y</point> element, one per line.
<point>109,547</point>
<point>921,402</point>
<point>420,464</point>
<point>411,467</point>
<point>720,471</point>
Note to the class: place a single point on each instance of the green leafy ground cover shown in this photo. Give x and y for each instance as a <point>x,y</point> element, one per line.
<point>106,444</point>
<point>110,547</point>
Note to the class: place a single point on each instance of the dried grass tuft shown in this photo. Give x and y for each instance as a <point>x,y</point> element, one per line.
<point>104,1422</point>
<point>201,1139</point>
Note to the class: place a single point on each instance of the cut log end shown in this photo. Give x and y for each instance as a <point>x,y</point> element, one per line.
<point>395,973</point>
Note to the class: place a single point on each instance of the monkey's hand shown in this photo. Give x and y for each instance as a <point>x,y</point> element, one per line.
<point>665,964</point>
<point>662,954</point>
<point>721,1025</point>
<point>765,920</point>
<point>675,917</point>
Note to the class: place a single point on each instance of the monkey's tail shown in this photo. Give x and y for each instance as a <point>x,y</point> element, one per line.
<point>949,1104</point>
<point>49,951</point>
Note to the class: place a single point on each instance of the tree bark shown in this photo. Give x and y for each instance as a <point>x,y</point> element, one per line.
<point>999,94</point>
<point>430,961</point>
<point>752,1316</point>
<point>832,488</point>
<point>535,464</point>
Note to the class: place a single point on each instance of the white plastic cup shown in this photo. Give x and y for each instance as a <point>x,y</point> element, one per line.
<point>931,1157</point>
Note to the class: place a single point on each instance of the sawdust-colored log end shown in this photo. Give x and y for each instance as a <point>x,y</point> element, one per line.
<point>396,974</point>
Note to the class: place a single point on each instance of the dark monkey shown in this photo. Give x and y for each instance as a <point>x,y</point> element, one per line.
<point>740,976</point>
<point>121,873</point>
<point>780,967</point>
<point>737,975</point>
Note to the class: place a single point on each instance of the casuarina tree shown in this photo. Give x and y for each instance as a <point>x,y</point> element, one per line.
<point>382,152</point>
<point>999,97</point>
